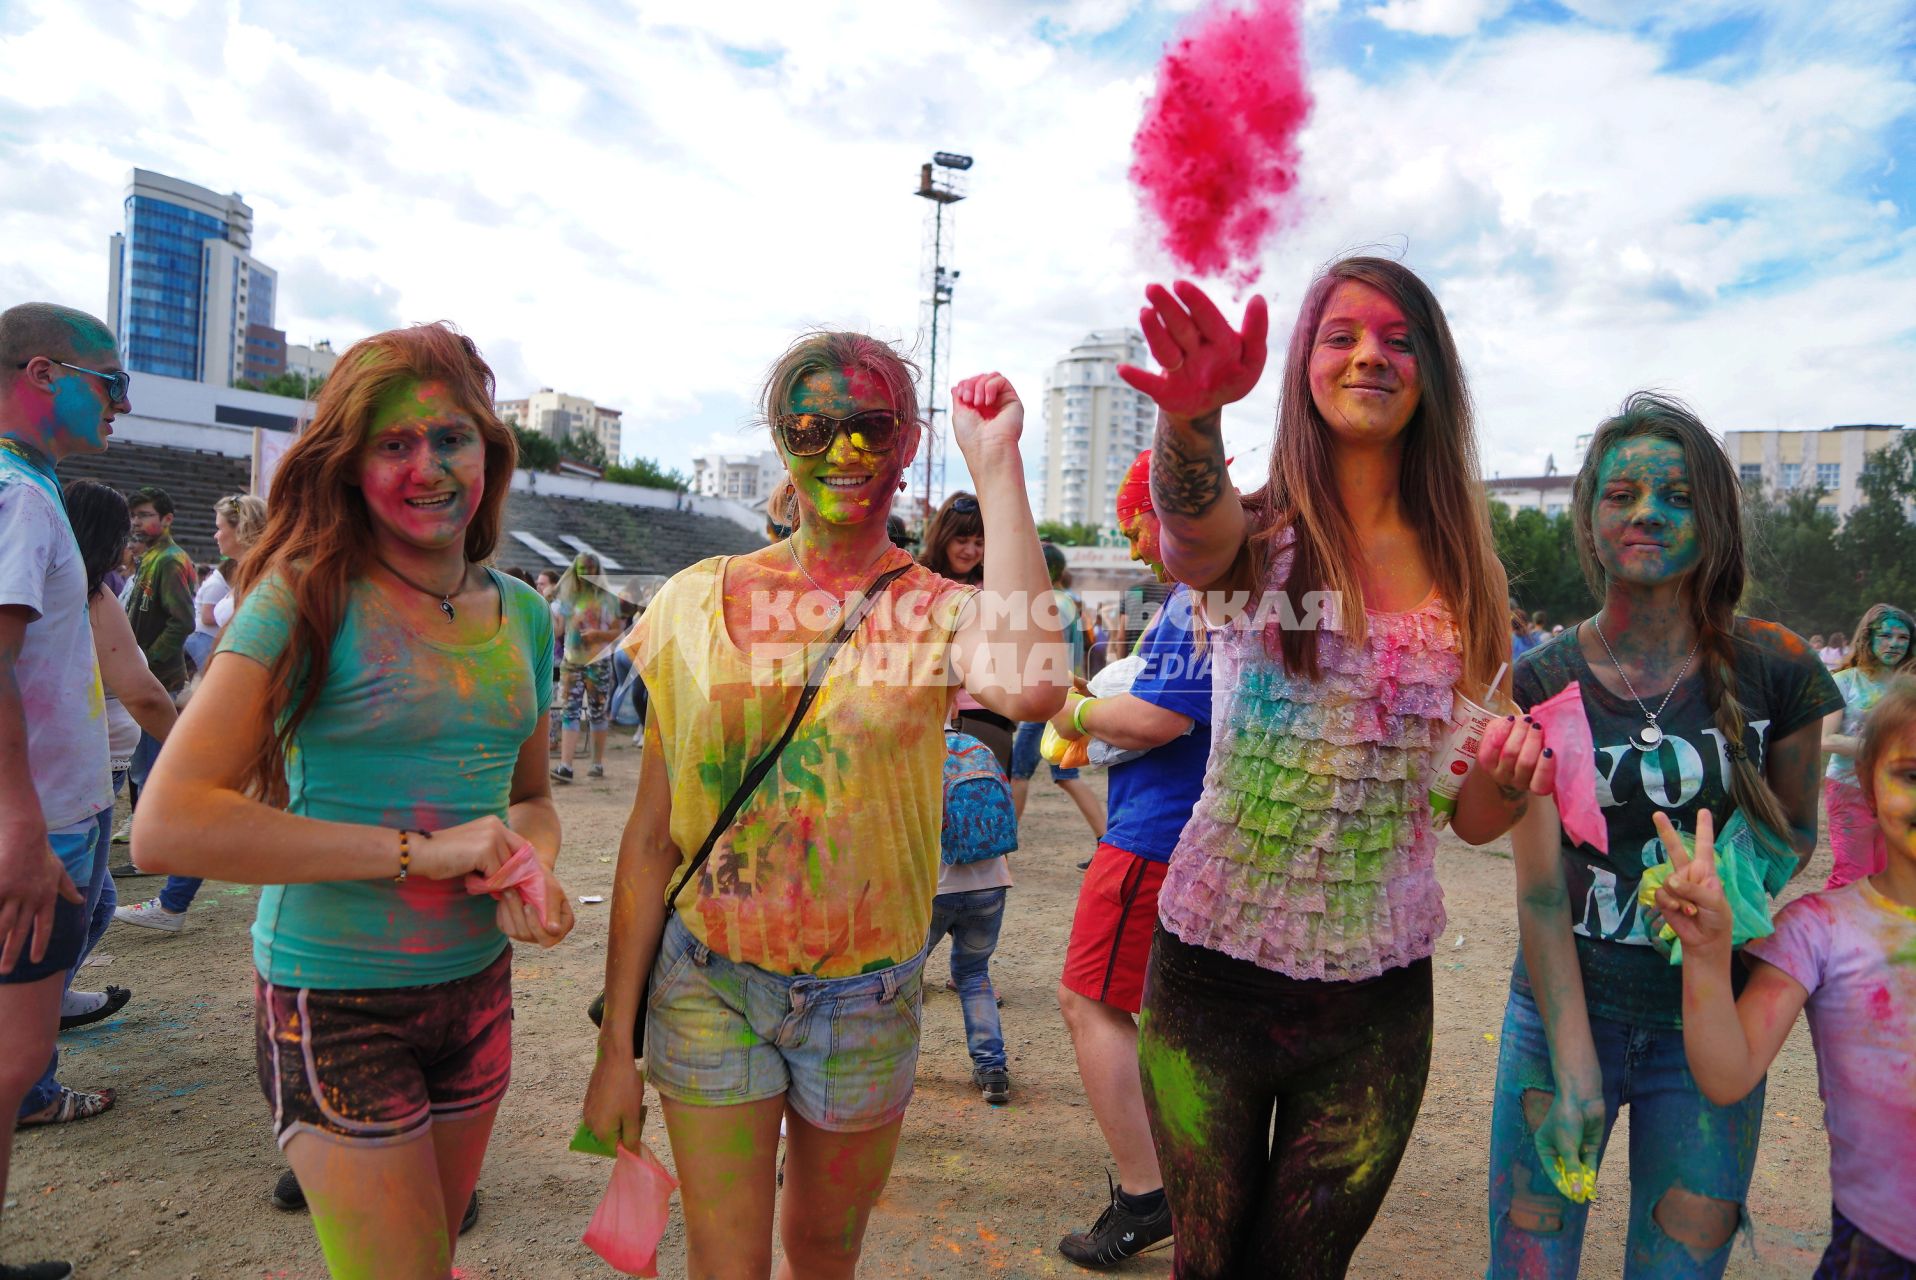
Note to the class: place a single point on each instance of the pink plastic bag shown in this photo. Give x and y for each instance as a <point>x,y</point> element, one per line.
<point>630,1221</point>
<point>1566,730</point>
<point>522,871</point>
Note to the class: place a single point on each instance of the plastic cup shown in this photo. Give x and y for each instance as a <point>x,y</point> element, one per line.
<point>1451,765</point>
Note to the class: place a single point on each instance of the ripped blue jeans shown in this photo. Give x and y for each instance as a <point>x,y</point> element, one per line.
<point>1678,1139</point>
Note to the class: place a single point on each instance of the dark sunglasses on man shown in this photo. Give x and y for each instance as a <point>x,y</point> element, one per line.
<point>871,431</point>
<point>119,384</point>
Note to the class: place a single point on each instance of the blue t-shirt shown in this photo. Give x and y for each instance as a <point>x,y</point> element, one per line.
<point>408,732</point>
<point>1151,797</point>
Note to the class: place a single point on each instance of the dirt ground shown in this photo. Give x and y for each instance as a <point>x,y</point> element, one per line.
<point>174,1181</point>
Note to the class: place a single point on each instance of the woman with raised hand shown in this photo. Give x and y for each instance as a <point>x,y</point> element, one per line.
<point>1691,709</point>
<point>369,744</point>
<point>1285,1034</point>
<point>780,980</point>
<point>1879,649</point>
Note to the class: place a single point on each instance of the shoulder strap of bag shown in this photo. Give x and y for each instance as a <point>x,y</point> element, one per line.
<point>815,680</point>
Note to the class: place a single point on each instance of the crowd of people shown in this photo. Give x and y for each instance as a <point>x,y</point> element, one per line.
<point>359,715</point>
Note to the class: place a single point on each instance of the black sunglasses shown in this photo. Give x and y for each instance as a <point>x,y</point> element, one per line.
<point>806,435</point>
<point>118,385</point>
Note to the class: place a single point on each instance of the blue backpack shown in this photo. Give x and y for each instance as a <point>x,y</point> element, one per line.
<point>979,820</point>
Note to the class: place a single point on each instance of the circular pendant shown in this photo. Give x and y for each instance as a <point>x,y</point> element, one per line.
<point>1647,738</point>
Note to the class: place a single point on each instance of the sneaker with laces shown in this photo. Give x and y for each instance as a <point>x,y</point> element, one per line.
<point>994,1083</point>
<point>596,771</point>
<point>151,915</point>
<point>562,772</point>
<point>1119,1233</point>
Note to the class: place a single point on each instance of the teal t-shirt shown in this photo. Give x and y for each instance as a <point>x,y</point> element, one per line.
<point>407,732</point>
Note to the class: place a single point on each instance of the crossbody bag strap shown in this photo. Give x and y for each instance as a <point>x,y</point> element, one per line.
<point>815,680</point>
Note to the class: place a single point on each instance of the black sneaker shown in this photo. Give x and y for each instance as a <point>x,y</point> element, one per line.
<point>1118,1234</point>
<point>36,1271</point>
<point>994,1083</point>
<point>288,1196</point>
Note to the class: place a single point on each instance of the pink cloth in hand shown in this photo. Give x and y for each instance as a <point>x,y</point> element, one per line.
<point>1566,731</point>
<point>522,871</point>
<point>630,1221</point>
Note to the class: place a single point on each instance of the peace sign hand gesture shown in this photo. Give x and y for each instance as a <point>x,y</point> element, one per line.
<point>1691,900</point>
<point>1206,363</point>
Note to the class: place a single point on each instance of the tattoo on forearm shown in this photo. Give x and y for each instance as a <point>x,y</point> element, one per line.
<point>1517,798</point>
<point>1187,466</point>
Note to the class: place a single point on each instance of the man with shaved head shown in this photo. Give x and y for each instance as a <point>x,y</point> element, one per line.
<point>60,386</point>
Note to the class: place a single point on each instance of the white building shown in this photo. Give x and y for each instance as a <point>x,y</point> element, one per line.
<point>315,362</point>
<point>561,416</point>
<point>1549,494</point>
<point>1833,458</point>
<point>742,477</point>
<point>1095,425</point>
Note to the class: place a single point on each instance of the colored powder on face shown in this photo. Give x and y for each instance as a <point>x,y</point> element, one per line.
<point>1215,158</point>
<point>1183,1103</point>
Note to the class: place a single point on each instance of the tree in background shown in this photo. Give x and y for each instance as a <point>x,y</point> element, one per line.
<point>1540,554</point>
<point>1791,542</point>
<point>1874,553</point>
<point>296,385</point>
<point>537,452</point>
<point>647,474</point>
<point>1068,535</point>
<point>584,448</point>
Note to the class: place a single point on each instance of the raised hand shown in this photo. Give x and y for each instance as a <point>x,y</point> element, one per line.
<point>986,414</point>
<point>1514,755</point>
<point>1691,899</point>
<point>1206,363</point>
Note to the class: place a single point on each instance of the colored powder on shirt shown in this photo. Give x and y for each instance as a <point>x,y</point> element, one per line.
<point>1215,159</point>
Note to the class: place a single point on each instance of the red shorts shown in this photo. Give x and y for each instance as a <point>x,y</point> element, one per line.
<point>1111,931</point>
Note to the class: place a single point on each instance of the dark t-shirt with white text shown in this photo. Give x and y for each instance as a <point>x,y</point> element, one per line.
<point>1782,685</point>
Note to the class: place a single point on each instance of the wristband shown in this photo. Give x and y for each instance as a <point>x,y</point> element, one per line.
<point>405,857</point>
<point>1077,716</point>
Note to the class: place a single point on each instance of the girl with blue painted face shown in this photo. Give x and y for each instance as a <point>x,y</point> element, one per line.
<point>1880,649</point>
<point>1691,708</point>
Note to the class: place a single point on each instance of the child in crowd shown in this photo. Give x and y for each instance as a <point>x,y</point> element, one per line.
<point>1881,648</point>
<point>1848,956</point>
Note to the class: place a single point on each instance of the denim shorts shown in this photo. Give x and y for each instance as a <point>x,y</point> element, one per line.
<point>76,847</point>
<point>718,1033</point>
<point>1025,757</point>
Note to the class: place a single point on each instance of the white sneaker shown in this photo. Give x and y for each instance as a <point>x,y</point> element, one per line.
<point>151,915</point>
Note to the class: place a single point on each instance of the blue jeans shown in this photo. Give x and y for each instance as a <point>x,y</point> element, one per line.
<point>973,919</point>
<point>100,901</point>
<point>178,893</point>
<point>1024,754</point>
<point>1677,1138</point>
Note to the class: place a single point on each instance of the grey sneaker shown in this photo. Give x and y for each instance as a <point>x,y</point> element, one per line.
<point>151,915</point>
<point>596,771</point>
<point>1118,1233</point>
<point>994,1083</point>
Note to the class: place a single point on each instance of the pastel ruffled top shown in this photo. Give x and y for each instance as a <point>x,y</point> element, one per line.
<point>1311,851</point>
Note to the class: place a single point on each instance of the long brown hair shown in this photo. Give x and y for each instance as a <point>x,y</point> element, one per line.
<point>1440,484</point>
<point>947,526</point>
<point>1711,590</point>
<point>319,534</point>
<point>1862,655</point>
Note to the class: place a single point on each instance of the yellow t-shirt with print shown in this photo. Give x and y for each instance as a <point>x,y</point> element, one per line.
<point>830,867</point>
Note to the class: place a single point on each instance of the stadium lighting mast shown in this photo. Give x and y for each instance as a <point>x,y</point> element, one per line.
<point>941,180</point>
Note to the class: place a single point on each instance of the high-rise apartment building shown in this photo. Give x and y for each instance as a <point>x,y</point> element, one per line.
<point>742,477</point>
<point>1094,427</point>
<point>561,416</point>
<point>184,293</point>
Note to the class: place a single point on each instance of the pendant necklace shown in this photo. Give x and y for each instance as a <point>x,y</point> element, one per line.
<point>445,599</point>
<point>1649,736</point>
<point>838,605</point>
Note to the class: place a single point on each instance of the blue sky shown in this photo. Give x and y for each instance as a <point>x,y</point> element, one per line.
<point>644,203</point>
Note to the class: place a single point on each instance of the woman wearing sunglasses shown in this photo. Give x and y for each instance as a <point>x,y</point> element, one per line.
<point>784,971</point>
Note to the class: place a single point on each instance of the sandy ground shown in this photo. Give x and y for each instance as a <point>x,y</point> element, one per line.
<point>174,1181</point>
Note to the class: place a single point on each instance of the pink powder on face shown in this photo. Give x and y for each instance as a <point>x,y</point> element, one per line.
<point>1215,158</point>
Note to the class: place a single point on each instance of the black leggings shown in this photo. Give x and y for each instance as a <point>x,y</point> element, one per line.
<point>1226,1048</point>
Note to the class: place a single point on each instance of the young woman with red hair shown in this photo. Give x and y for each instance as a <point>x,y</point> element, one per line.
<point>369,733</point>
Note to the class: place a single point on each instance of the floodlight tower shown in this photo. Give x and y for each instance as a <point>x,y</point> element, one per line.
<point>941,181</point>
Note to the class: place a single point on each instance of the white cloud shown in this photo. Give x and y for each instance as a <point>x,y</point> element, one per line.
<point>646,210</point>
<point>1437,17</point>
